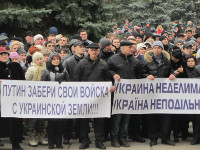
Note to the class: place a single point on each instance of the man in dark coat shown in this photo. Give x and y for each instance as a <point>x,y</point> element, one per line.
<point>158,66</point>
<point>123,65</point>
<point>12,71</point>
<point>92,68</point>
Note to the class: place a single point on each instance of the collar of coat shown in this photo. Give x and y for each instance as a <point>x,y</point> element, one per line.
<point>149,55</point>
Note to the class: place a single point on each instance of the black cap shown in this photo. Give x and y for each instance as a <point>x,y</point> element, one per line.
<point>17,39</point>
<point>80,43</point>
<point>93,46</point>
<point>197,36</point>
<point>180,35</point>
<point>28,33</point>
<point>187,45</point>
<point>142,29</point>
<point>162,37</point>
<point>126,43</point>
<point>76,36</point>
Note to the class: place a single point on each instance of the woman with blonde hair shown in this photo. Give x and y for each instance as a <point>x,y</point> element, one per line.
<point>159,29</point>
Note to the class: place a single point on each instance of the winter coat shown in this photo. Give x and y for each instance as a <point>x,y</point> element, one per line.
<point>55,73</point>
<point>34,72</point>
<point>127,68</point>
<point>89,70</point>
<point>193,72</point>
<point>105,56</point>
<point>71,63</point>
<point>175,66</point>
<point>10,71</point>
<point>158,70</point>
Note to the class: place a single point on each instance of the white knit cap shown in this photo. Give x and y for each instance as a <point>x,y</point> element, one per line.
<point>141,45</point>
<point>37,37</point>
<point>37,55</point>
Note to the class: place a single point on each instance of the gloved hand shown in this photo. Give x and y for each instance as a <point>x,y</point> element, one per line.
<point>60,81</point>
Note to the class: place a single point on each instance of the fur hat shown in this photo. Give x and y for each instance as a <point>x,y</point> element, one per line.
<point>15,43</point>
<point>37,55</point>
<point>37,37</point>
<point>33,49</point>
<point>14,55</point>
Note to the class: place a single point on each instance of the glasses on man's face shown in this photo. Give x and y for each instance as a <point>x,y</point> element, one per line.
<point>50,45</point>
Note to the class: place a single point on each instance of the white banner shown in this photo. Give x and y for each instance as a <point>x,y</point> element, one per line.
<point>144,96</point>
<point>39,99</point>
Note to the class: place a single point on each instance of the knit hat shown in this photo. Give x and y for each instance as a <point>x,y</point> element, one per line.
<point>177,53</point>
<point>21,51</point>
<point>37,55</point>
<point>37,37</point>
<point>14,55</point>
<point>3,50</point>
<point>162,37</point>
<point>104,42</point>
<point>53,30</point>
<point>15,43</point>
<point>33,49</point>
<point>158,43</point>
<point>192,42</point>
<point>178,41</point>
<point>141,45</point>
<point>45,52</point>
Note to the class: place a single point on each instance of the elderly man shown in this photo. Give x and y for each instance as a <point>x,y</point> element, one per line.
<point>123,65</point>
<point>158,66</point>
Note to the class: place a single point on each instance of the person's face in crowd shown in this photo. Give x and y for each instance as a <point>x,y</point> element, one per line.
<point>138,27</point>
<point>174,59</point>
<point>29,39</point>
<point>198,39</point>
<point>139,39</point>
<point>15,48</point>
<point>22,57</point>
<point>112,37</point>
<point>4,57</point>
<point>15,60</point>
<point>157,38</point>
<point>55,61</point>
<point>46,57</point>
<point>157,50</point>
<point>142,32</point>
<point>39,61</point>
<point>189,34</point>
<point>142,50</point>
<point>187,50</point>
<point>73,49</point>
<point>170,37</point>
<point>62,54</point>
<point>83,35</point>
<point>148,47</point>
<point>128,50</point>
<point>118,31</point>
<point>191,62</point>
<point>63,41</point>
<point>126,27</point>
<point>108,48</point>
<point>194,47</point>
<point>147,25</point>
<point>115,27</point>
<point>165,41</point>
<point>176,28</point>
<point>39,41</point>
<point>179,44</point>
<point>80,49</point>
<point>166,34</point>
<point>93,53</point>
<point>52,39</point>
<point>116,42</point>
<point>51,46</point>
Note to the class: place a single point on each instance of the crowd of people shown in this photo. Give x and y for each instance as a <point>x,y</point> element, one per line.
<point>125,53</point>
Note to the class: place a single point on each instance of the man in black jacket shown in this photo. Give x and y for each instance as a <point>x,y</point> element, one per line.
<point>70,64</point>
<point>158,65</point>
<point>92,68</point>
<point>123,65</point>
